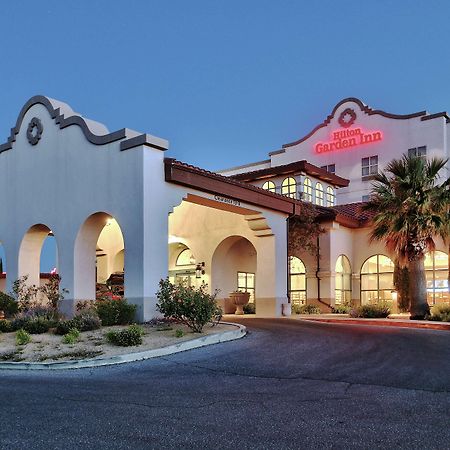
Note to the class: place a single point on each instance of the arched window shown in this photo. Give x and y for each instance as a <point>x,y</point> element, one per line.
<point>289,187</point>
<point>343,281</point>
<point>269,186</point>
<point>185,258</point>
<point>377,279</point>
<point>436,271</point>
<point>330,196</point>
<point>319,194</point>
<point>307,190</point>
<point>297,281</point>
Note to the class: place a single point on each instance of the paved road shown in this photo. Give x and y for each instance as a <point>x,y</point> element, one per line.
<point>286,385</point>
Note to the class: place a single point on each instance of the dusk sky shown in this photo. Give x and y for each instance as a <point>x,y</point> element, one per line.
<point>224,81</point>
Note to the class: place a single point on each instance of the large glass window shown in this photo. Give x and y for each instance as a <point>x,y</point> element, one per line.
<point>269,186</point>
<point>330,196</point>
<point>369,166</point>
<point>307,190</point>
<point>343,281</point>
<point>319,194</point>
<point>377,279</point>
<point>297,281</point>
<point>246,283</point>
<point>289,187</point>
<point>436,272</point>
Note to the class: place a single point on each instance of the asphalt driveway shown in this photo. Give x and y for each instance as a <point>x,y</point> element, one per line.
<point>287,384</point>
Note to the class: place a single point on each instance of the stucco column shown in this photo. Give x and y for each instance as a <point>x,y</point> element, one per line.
<point>271,272</point>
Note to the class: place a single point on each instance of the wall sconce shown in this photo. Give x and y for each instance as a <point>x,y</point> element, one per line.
<point>394,295</point>
<point>200,270</point>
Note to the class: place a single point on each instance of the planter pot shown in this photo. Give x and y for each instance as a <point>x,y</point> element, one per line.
<point>286,309</point>
<point>240,299</point>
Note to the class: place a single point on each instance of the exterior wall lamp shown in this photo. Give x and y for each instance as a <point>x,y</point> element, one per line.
<point>200,270</point>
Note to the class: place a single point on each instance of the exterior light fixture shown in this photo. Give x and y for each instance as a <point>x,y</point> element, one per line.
<point>109,221</point>
<point>200,270</point>
<point>394,295</point>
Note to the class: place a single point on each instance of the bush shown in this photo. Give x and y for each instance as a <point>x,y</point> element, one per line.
<point>249,308</point>
<point>340,309</point>
<point>37,325</point>
<point>71,337</point>
<point>115,312</point>
<point>192,306</point>
<point>126,338</point>
<point>441,313</point>
<point>308,309</point>
<point>8,305</point>
<point>6,326</point>
<point>86,321</point>
<point>371,311</point>
<point>22,337</point>
<point>179,333</point>
<point>295,309</point>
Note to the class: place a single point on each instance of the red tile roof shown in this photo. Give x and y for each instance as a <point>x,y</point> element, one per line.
<point>354,211</point>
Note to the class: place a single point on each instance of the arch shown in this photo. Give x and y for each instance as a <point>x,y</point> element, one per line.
<point>185,258</point>
<point>377,279</point>
<point>331,197</point>
<point>436,272</point>
<point>297,281</point>
<point>289,187</point>
<point>343,281</point>
<point>307,190</point>
<point>234,267</point>
<point>319,194</point>
<point>98,242</point>
<point>269,186</point>
<point>29,260</point>
<point>119,261</point>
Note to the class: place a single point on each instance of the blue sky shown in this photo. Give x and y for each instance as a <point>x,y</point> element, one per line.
<point>224,81</point>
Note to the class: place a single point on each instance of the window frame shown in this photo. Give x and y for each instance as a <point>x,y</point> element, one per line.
<point>290,186</point>
<point>377,273</point>
<point>246,288</point>
<point>302,298</point>
<point>369,167</point>
<point>307,190</point>
<point>330,195</point>
<point>318,191</point>
<point>272,187</point>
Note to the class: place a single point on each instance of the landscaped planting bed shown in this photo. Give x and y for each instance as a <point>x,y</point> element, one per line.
<point>48,347</point>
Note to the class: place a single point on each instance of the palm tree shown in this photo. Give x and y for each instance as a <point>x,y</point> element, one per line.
<point>410,208</point>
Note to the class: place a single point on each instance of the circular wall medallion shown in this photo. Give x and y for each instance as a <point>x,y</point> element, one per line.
<point>347,118</point>
<point>34,131</point>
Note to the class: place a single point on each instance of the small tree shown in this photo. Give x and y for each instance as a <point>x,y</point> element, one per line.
<point>24,294</point>
<point>304,231</point>
<point>189,305</point>
<point>52,290</point>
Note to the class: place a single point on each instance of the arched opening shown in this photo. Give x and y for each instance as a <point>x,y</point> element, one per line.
<point>234,268</point>
<point>183,265</point>
<point>377,279</point>
<point>307,190</point>
<point>38,255</point>
<point>330,196</point>
<point>2,269</point>
<point>319,194</point>
<point>343,281</point>
<point>99,265</point>
<point>436,271</point>
<point>289,187</point>
<point>297,281</point>
<point>269,186</point>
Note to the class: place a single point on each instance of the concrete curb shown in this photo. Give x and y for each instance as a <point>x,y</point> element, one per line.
<point>384,323</point>
<point>203,341</point>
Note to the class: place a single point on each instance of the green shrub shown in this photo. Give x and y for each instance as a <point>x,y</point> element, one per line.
<point>8,305</point>
<point>86,321</point>
<point>249,308</point>
<point>6,326</point>
<point>441,313</point>
<point>179,333</point>
<point>115,312</point>
<point>309,309</point>
<point>295,309</point>
<point>340,309</point>
<point>129,337</point>
<point>22,337</point>
<point>37,325</point>
<point>186,304</point>
<point>71,337</point>
<point>371,311</point>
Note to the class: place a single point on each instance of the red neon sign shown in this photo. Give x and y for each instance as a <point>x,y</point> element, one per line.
<point>351,137</point>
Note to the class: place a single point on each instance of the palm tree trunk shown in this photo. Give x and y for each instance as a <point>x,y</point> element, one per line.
<point>418,290</point>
